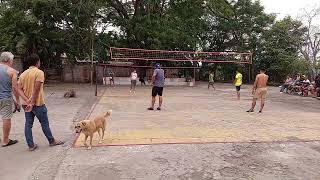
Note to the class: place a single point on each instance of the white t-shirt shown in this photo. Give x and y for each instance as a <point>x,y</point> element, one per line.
<point>306,81</point>
<point>134,76</point>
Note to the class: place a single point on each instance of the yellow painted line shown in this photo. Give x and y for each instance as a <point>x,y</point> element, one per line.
<point>194,135</point>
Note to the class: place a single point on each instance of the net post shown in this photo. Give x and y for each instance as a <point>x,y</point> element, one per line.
<point>194,76</point>
<point>249,73</point>
<point>96,89</point>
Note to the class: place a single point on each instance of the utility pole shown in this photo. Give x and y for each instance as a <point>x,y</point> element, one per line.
<point>92,41</point>
<point>92,46</point>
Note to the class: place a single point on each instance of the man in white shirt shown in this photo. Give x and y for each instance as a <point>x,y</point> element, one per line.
<point>133,77</point>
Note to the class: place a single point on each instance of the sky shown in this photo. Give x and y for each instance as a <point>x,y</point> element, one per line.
<point>290,7</point>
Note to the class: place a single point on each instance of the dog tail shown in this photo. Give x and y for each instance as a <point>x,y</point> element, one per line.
<point>108,113</point>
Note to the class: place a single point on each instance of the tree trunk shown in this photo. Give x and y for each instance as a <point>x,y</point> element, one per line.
<point>72,73</point>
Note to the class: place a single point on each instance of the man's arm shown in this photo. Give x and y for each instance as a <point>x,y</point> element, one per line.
<point>254,88</point>
<point>16,90</point>
<point>36,92</point>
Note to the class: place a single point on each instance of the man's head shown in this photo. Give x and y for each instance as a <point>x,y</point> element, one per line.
<point>34,60</point>
<point>134,70</point>
<point>157,66</point>
<point>262,70</point>
<point>7,58</point>
<point>237,71</point>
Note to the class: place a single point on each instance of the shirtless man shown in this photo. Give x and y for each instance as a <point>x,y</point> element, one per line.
<point>259,90</point>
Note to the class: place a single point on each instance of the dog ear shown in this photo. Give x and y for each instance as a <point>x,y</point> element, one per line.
<point>84,123</point>
<point>108,113</point>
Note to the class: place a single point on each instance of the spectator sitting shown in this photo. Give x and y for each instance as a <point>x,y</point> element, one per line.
<point>286,84</point>
<point>294,87</point>
<point>306,86</point>
<point>317,86</point>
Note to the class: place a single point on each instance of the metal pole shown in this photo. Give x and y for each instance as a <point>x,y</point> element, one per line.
<point>249,73</point>
<point>96,91</point>
<point>194,76</point>
<point>92,58</point>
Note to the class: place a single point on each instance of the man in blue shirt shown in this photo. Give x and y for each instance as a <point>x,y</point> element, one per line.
<point>158,83</point>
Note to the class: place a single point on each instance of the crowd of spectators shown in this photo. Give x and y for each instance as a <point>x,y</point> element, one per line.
<point>301,85</point>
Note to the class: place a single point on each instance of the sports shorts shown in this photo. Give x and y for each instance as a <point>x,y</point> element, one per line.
<point>260,93</point>
<point>6,108</point>
<point>157,91</point>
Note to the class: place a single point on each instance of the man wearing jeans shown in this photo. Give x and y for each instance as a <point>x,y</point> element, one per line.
<point>31,82</point>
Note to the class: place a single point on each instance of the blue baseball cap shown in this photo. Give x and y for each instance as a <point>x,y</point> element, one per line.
<point>157,66</point>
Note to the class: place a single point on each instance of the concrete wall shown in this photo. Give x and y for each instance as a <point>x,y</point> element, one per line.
<point>81,74</point>
<point>121,75</point>
<point>168,81</point>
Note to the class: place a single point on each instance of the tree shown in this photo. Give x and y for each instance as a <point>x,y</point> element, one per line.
<point>280,48</point>
<point>310,47</point>
<point>235,26</point>
<point>158,24</point>
<point>81,29</point>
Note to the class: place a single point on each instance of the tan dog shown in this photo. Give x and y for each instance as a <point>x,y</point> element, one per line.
<point>70,93</point>
<point>89,127</point>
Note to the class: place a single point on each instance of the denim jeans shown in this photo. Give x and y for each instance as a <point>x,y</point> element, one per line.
<point>41,113</point>
<point>284,87</point>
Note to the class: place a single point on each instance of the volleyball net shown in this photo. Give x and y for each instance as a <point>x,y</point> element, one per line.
<point>127,54</point>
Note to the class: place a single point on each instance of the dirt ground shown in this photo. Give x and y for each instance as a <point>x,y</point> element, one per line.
<point>199,134</point>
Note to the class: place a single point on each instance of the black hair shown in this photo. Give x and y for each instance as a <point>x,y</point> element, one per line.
<point>33,59</point>
<point>263,69</point>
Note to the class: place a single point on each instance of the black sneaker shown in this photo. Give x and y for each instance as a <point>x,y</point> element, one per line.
<point>151,109</point>
<point>159,108</point>
<point>250,110</point>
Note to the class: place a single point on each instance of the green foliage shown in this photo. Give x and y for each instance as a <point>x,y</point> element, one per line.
<point>54,27</point>
<point>298,65</point>
<point>280,50</point>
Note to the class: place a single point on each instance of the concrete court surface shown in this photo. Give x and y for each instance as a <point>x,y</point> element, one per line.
<point>211,136</point>
<point>196,115</point>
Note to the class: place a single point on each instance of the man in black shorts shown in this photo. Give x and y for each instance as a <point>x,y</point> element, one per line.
<point>158,83</point>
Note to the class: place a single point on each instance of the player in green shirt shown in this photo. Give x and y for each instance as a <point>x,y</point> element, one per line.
<point>211,81</point>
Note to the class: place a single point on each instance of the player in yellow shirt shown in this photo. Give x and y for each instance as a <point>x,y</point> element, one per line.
<point>238,83</point>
